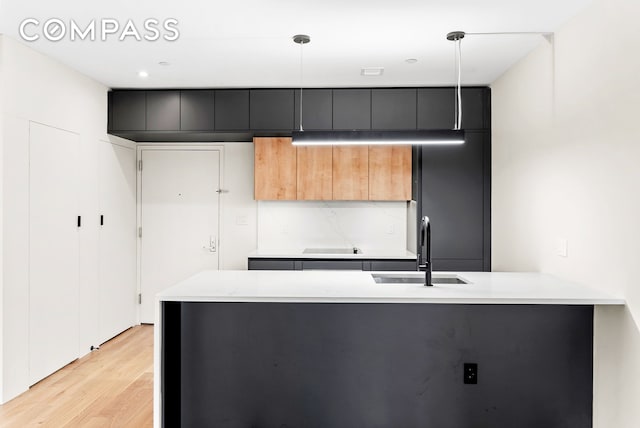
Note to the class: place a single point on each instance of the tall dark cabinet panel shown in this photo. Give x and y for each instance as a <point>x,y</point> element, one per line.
<point>232,109</point>
<point>316,109</point>
<point>393,109</point>
<point>271,109</point>
<point>454,195</point>
<point>128,110</point>
<point>163,110</point>
<point>351,109</point>
<point>197,110</point>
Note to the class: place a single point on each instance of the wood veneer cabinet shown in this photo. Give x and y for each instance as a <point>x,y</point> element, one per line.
<point>320,173</point>
<point>274,169</point>
<point>315,180</point>
<point>351,173</point>
<point>390,173</point>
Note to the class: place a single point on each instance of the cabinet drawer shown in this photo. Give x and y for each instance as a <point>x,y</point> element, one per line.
<point>391,265</point>
<point>331,265</point>
<point>269,264</point>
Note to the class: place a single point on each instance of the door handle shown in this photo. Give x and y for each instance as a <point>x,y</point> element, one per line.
<point>213,247</point>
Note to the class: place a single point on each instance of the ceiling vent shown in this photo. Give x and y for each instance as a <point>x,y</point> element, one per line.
<point>372,71</point>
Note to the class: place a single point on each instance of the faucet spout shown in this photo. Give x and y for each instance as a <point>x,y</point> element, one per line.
<point>425,244</point>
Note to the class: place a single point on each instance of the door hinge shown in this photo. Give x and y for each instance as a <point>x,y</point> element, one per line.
<point>139,298</point>
<point>140,165</point>
<point>140,232</point>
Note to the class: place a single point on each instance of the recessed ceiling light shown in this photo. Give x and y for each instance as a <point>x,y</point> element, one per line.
<point>410,60</point>
<point>143,74</point>
<point>164,63</point>
<point>372,71</point>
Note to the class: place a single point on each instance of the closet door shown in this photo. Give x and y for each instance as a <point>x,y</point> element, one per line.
<point>53,250</point>
<point>117,222</point>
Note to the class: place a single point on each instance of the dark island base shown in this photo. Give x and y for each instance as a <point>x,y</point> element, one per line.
<point>368,365</point>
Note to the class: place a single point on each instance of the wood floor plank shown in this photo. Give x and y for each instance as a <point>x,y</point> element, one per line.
<point>111,387</point>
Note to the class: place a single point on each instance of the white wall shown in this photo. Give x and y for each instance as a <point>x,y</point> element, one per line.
<point>566,153</point>
<point>239,209</point>
<point>331,224</point>
<point>38,89</point>
<point>412,226</point>
<point>1,216</point>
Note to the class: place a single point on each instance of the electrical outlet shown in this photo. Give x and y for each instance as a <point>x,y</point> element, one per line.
<point>470,373</point>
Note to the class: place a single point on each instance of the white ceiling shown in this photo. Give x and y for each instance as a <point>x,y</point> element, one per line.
<point>247,43</point>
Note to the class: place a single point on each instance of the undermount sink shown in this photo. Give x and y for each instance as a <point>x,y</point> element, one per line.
<point>416,278</point>
<point>332,251</point>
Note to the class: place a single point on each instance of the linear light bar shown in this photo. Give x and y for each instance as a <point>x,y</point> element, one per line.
<point>371,138</point>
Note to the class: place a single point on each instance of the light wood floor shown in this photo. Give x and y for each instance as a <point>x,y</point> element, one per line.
<point>111,387</point>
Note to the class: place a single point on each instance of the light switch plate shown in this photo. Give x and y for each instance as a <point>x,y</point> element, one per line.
<point>242,220</point>
<point>562,247</point>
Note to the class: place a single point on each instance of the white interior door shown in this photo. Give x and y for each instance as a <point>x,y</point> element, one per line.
<point>117,265</point>
<point>179,218</point>
<point>53,250</point>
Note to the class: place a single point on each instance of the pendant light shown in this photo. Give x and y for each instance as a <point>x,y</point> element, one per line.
<point>301,39</point>
<point>456,37</point>
<point>428,137</point>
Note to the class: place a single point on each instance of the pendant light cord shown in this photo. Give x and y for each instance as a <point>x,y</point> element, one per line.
<point>458,124</point>
<point>301,74</point>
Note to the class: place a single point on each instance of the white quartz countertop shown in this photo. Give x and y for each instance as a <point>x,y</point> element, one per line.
<point>359,287</point>
<point>297,253</point>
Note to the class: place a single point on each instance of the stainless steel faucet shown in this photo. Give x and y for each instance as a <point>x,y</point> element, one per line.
<point>425,245</point>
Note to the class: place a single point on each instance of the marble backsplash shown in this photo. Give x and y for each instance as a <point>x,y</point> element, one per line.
<point>367,225</point>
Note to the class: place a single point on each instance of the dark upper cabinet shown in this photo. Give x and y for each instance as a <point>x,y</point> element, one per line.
<point>316,109</point>
<point>197,110</point>
<point>436,108</point>
<point>232,109</point>
<point>239,114</point>
<point>163,110</point>
<point>351,109</point>
<point>393,109</point>
<point>128,110</point>
<point>271,109</point>
<point>454,194</point>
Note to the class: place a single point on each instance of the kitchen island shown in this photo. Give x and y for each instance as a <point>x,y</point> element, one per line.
<point>336,349</point>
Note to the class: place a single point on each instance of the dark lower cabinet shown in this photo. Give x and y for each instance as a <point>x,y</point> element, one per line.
<point>389,265</point>
<point>332,264</point>
<point>455,194</point>
<point>345,365</point>
<point>271,264</point>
